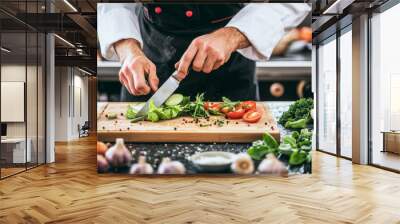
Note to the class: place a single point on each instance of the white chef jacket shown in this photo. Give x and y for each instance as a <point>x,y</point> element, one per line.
<point>264,24</point>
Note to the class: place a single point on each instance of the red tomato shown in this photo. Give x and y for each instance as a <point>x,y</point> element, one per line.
<point>249,105</point>
<point>225,110</point>
<point>252,116</point>
<point>212,106</point>
<point>236,114</point>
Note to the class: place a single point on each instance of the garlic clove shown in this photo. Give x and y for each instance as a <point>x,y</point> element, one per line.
<point>102,164</point>
<point>171,167</point>
<point>141,167</point>
<point>243,164</point>
<point>118,155</point>
<point>271,165</point>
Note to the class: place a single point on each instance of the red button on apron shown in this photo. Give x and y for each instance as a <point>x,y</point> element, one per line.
<point>157,10</point>
<point>189,13</point>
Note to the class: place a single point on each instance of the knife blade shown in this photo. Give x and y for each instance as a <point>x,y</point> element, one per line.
<point>160,96</point>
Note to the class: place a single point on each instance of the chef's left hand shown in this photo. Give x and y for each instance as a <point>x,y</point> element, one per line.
<point>208,52</point>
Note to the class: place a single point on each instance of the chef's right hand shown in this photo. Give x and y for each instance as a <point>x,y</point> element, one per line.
<point>138,73</point>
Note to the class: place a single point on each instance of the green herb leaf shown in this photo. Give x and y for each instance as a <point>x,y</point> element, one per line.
<point>270,141</point>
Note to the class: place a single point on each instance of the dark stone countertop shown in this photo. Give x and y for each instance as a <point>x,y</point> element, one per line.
<point>154,152</point>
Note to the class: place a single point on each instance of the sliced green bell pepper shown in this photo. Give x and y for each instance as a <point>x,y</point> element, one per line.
<point>301,123</point>
<point>290,140</point>
<point>298,157</point>
<point>285,149</point>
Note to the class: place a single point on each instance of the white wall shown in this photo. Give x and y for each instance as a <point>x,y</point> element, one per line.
<point>61,104</point>
<point>34,125</point>
<point>71,94</point>
<point>12,73</point>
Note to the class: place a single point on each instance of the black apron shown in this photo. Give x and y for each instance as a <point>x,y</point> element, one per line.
<point>168,29</point>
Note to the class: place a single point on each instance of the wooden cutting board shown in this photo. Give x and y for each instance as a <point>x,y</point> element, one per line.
<point>183,129</point>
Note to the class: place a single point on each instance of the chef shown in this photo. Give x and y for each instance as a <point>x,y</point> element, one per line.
<point>213,47</point>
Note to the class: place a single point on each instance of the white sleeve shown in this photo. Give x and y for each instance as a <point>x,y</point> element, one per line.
<point>264,24</point>
<point>116,21</point>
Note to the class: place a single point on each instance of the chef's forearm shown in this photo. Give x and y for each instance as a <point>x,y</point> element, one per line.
<point>127,48</point>
<point>239,40</point>
<point>265,24</point>
<point>116,21</point>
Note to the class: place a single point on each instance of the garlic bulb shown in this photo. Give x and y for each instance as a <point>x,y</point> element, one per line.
<point>171,167</point>
<point>271,165</point>
<point>118,155</point>
<point>141,167</point>
<point>102,164</point>
<point>242,164</point>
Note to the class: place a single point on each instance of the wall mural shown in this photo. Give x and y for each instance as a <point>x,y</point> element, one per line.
<point>186,97</point>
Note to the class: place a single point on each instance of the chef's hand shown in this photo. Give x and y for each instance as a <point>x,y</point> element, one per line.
<point>136,67</point>
<point>208,52</point>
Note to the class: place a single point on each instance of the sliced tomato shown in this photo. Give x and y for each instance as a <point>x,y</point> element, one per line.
<point>236,113</point>
<point>226,110</point>
<point>248,105</point>
<point>212,106</point>
<point>252,116</point>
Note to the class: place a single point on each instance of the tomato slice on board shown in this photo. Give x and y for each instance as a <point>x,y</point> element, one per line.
<point>237,113</point>
<point>252,116</point>
<point>249,105</point>
<point>212,106</point>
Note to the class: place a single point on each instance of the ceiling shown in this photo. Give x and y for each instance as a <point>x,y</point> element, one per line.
<point>332,15</point>
<point>74,22</point>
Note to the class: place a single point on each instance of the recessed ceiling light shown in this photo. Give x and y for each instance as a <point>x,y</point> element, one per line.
<point>5,50</point>
<point>337,7</point>
<point>70,5</point>
<point>64,40</point>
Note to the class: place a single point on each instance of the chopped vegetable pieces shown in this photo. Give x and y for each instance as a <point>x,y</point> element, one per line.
<point>130,113</point>
<point>179,105</point>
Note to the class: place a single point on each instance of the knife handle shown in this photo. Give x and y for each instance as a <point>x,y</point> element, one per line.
<point>174,75</point>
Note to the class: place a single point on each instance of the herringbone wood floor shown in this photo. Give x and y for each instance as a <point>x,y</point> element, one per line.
<point>70,191</point>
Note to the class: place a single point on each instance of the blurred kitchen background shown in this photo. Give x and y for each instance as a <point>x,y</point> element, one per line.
<point>285,77</point>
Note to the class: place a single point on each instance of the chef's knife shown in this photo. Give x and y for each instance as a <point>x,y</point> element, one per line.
<point>160,96</point>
